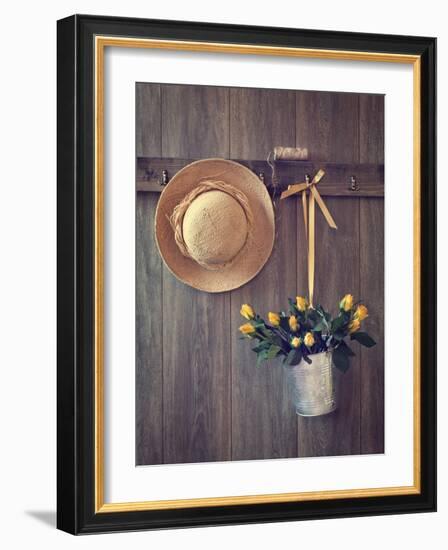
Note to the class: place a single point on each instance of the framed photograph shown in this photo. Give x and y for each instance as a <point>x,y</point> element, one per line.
<point>246,274</point>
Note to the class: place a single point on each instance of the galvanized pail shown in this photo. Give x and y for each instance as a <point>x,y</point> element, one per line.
<point>313,385</point>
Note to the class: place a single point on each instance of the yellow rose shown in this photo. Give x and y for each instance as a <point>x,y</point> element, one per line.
<point>354,326</point>
<point>309,339</point>
<point>247,312</point>
<point>293,324</point>
<point>301,303</point>
<point>274,318</point>
<point>346,303</point>
<point>295,342</point>
<point>247,329</point>
<point>361,312</point>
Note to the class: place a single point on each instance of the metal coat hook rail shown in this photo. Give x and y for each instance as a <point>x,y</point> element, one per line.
<point>341,179</point>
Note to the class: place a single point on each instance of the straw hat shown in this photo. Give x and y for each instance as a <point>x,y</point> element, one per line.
<point>214,225</point>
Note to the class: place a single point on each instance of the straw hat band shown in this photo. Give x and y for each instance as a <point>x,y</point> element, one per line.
<point>212,224</point>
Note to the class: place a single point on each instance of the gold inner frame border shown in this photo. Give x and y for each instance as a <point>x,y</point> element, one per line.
<point>100,43</point>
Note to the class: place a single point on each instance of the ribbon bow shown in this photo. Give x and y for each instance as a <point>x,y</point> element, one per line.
<point>309,219</point>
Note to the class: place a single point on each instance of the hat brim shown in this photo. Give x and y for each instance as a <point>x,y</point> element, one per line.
<point>255,252</point>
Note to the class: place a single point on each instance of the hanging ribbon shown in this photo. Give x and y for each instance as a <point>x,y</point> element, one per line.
<point>308,205</point>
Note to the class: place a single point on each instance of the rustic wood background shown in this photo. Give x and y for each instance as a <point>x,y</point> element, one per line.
<point>199,395</point>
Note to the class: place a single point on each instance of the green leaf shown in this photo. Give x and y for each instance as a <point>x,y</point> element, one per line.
<point>262,346</point>
<point>320,326</point>
<point>323,313</point>
<point>338,323</point>
<point>293,358</point>
<point>262,356</point>
<point>273,351</point>
<point>278,340</point>
<point>340,359</point>
<point>346,349</point>
<point>364,339</point>
<point>313,316</point>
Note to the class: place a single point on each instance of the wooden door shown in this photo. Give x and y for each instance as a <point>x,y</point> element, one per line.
<point>199,396</point>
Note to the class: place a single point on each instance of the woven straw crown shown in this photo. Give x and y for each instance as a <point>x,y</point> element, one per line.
<point>214,229</point>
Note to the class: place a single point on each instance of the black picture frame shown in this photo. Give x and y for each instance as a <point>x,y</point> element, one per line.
<point>76,271</point>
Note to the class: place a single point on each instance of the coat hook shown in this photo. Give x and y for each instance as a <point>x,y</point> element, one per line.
<point>165,178</point>
<point>353,184</point>
<point>307,178</point>
<point>261,176</point>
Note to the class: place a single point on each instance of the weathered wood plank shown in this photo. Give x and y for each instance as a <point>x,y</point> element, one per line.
<point>372,280</point>
<point>148,333</point>
<point>372,293</point>
<point>214,403</point>
<point>337,273</point>
<point>196,325</point>
<point>369,177</point>
<point>263,420</point>
<point>148,119</point>
<point>371,128</point>
<point>148,302</point>
<point>260,120</point>
<point>196,374</point>
<point>195,121</point>
<point>327,124</point>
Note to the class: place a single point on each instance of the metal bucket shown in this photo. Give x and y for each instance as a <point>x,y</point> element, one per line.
<point>313,385</point>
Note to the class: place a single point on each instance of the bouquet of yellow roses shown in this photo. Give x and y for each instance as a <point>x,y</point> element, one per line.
<point>303,331</point>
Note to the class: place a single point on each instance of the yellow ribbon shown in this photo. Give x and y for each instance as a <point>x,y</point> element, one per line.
<point>309,219</point>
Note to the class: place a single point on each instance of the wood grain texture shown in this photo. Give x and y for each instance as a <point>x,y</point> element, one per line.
<point>148,333</point>
<point>195,121</point>
<point>372,293</point>
<point>260,120</point>
<point>196,335</point>
<point>199,395</point>
<point>263,419</point>
<point>148,304</point>
<point>196,374</point>
<point>372,280</point>
<point>327,123</point>
<point>371,128</point>
<point>148,119</point>
<point>337,273</point>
